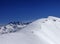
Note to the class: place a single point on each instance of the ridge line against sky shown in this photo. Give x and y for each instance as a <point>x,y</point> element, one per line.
<point>27,10</point>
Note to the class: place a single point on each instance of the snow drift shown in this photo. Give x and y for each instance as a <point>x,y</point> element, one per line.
<point>41,31</point>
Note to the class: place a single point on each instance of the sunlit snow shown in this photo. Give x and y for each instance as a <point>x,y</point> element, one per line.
<point>41,31</point>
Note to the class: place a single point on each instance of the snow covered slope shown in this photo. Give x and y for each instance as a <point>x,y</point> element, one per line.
<point>41,31</point>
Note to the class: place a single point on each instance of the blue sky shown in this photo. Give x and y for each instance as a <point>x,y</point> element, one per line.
<point>27,10</point>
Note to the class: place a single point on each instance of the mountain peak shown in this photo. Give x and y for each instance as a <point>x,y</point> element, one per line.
<point>52,17</point>
<point>41,31</point>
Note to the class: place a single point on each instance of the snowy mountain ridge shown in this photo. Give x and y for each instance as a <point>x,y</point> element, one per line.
<point>15,26</point>
<point>12,27</point>
<point>47,29</point>
<point>41,31</point>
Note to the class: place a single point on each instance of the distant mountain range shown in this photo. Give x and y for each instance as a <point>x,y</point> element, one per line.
<point>13,27</point>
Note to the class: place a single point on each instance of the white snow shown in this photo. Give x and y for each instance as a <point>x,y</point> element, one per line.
<point>41,31</point>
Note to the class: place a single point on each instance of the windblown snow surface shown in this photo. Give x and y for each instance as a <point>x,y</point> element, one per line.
<point>41,31</point>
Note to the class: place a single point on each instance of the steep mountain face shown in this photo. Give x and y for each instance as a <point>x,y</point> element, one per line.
<point>41,31</point>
